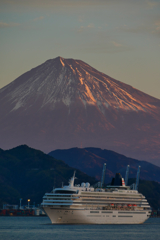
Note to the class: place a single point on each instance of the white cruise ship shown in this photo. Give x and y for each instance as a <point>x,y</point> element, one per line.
<point>82,204</point>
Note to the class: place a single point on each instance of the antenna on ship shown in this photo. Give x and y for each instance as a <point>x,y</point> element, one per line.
<point>127,174</point>
<point>137,179</point>
<point>103,175</point>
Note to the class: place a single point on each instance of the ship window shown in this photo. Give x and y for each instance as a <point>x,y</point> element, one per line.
<point>106,212</point>
<point>125,216</point>
<point>65,191</point>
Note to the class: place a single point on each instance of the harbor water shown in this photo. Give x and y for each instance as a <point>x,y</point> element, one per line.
<point>37,228</point>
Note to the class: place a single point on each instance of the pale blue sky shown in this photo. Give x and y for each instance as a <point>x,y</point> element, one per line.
<point>118,37</point>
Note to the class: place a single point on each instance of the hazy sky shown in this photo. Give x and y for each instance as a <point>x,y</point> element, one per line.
<point>118,37</point>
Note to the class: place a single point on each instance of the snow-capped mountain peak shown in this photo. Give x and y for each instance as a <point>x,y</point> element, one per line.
<point>66,103</point>
<point>64,80</point>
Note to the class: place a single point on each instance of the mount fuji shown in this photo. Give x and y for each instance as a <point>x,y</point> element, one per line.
<point>66,103</point>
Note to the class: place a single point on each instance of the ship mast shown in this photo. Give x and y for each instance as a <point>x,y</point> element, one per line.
<point>127,174</point>
<point>103,175</point>
<point>71,181</point>
<point>137,179</point>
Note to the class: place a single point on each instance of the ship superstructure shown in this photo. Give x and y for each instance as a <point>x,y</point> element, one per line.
<point>83,204</point>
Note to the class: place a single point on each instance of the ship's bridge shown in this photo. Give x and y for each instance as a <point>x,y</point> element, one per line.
<point>65,191</point>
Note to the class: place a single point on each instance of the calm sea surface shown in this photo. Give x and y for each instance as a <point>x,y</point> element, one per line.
<point>14,228</point>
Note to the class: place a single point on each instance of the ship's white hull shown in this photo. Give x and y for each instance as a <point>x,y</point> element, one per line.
<point>83,216</point>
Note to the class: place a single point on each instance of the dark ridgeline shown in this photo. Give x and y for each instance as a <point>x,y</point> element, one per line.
<point>91,160</point>
<point>28,173</point>
<point>65,103</point>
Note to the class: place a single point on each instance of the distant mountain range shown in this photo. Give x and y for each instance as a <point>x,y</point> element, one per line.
<point>65,103</point>
<point>91,160</point>
<point>28,174</point>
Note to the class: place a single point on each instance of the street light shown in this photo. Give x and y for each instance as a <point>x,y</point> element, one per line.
<point>20,202</point>
<point>28,202</point>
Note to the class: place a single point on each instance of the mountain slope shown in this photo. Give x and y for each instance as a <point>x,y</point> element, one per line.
<point>91,160</point>
<point>28,173</point>
<point>66,103</point>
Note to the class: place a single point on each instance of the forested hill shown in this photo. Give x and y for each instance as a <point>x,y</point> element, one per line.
<point>28,173</point>
<point>91,160</point>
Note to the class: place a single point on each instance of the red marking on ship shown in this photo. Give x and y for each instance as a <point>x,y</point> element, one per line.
<point>123,183</point>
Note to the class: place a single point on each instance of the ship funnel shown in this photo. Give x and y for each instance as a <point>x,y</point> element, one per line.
<point>103,175</point>
<point>127,174</point>
<point>137,179</point>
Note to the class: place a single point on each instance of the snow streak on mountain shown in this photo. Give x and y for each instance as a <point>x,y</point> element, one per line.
<point>66,103</point>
